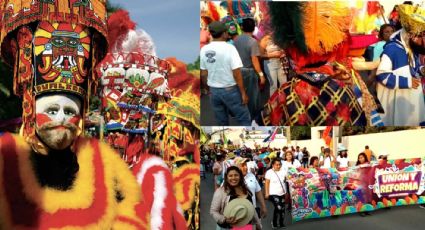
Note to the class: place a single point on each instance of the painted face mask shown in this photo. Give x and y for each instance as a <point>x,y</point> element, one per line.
<point>53,47</point>
<point>57,120</point>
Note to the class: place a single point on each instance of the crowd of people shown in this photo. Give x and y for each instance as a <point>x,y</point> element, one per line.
<point>248,68</point>
<point>261,174</point>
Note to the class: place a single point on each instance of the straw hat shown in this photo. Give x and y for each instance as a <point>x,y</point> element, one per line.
<point>230,155</point>
<point>240,160</point>
<point>412,18</point>
<point>241,209</point>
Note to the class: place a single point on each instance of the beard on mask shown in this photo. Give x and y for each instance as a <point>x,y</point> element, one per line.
<point>57,135</point>
<point>419,49</point>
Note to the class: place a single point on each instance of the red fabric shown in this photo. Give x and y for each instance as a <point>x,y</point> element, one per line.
<point>373,7</point>
<point>119,24</point>
<point>170,215</point>
<point>301,60</point>
<point>362,41</point>
<point>327,135</point>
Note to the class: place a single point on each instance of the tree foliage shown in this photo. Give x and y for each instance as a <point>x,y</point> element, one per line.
<point>195,65</point>
<point>11,105</point>
<point>300,133</point>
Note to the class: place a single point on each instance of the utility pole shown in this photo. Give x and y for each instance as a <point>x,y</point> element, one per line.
<point>288,135</point>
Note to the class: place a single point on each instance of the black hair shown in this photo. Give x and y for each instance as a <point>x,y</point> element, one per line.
<point>381,30</point>
<point>216,35</point>
<point>365,157</point>
<point>219,157</point>
<point>248,25</point>
<point>275,160</point>
<point>241,183</point>
<point>366,147</point>
<point>312,159</point>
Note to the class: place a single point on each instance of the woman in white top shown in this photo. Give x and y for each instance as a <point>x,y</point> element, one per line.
<point>342,159</point>
<point>275,192</point>
<point>328,160</point>
<point>289,161</point>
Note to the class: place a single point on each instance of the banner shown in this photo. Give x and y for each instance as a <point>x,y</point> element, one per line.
<point>317,193</point>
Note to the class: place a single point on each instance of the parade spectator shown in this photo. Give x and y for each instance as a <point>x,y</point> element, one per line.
<point>218,171</point>
<point>384,35</point>
<point>322,151</point>
<point>221,66</point>
<point>282,153</point>
<point>399,73</point>
<point>249,52</point>
<point>267,162</point>
<point>298,154</point>
<point>275,191</point>
<point>342,157</point>
<point>314,162</point>
<point>252,165</point>
<point>289,161</point>
<point>306,155</point>
<point>362,160</point>
<point>328,159</point>
<point>234,187</point>
<point>272,54</point>
<point>252,185</point>
<point>369,153</point>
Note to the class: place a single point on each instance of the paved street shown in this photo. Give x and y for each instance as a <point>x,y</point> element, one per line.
<point>207,114</point>
<point>403,218</point>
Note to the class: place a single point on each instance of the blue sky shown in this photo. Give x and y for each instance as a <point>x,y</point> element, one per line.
<point>172,24</point>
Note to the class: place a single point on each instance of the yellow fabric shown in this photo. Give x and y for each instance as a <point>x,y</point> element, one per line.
<point>81,194</point>
<point>181,189</point>
<point>325,25</point>
<point>117,177</point>
<point>412,18</point>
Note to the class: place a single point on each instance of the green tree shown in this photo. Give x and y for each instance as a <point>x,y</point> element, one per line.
<point>300,133</point>
<point>194,66</point>
<point>11,105</point>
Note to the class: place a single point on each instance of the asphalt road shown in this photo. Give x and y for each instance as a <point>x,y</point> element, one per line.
<point>397,218</point>
<point>207,114</point>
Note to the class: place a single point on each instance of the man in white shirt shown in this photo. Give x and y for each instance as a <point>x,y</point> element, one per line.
<point>298,154</point>
<point>328,160</point>
<point>221,66</point>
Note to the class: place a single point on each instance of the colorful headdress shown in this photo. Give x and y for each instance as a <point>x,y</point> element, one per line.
<point>133,80</point>
<point>412,18</point>
<point>181,115</point>
<point>52,46</point>
<point>238,9</point>
<point>311,31</point>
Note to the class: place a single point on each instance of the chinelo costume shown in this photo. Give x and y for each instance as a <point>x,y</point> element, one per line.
<point>134,88</point>
<point>323,87</point>
<point>400,64</point>
<point>54,47</point>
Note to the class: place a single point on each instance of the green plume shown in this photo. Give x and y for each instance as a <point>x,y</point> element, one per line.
<point>286,20</point>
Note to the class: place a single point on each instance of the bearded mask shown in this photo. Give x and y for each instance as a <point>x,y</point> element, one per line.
<point>53,47</point>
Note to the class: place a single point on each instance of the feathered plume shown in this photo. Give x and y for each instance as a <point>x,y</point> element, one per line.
<point>325,25</point>
<point>138,41</point>
<point>119,24</point>
<point>286,20</point>
<point>123,36</point>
